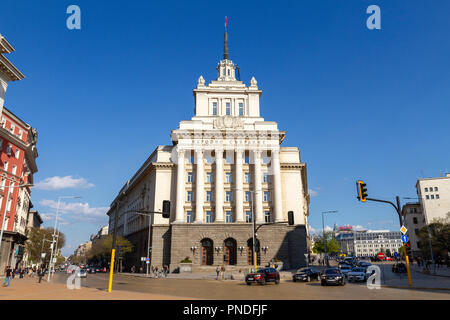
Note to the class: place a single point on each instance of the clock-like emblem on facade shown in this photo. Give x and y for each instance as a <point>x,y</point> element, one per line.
<point>228,122</point>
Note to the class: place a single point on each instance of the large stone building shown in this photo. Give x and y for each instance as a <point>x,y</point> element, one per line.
<point>414,221</point>
<point>224,164</point>
<point>18,155</point>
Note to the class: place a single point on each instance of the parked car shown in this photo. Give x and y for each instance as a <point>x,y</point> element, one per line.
<point>70,269</point>
<point>332,276</point>
<point>262,276</point>
<point>82,273</point>
<point>357,274</point>
<point>363,264</point>
<point>103,270</point>
<point>399,268</point>
<point>91,270</point>
<point>306,274</point>
<point>345,268</point>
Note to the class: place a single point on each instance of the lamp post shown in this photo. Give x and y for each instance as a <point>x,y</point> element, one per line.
<point>9,187</point>
<point>54,241</point>
<point>323,234</point>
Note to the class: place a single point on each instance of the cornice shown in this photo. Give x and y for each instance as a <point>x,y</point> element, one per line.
<point>10,69</point>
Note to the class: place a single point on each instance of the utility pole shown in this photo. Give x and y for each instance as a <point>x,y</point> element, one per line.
<point>324,238</point>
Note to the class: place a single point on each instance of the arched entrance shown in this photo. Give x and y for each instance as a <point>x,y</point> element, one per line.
<point>250,258</point>
<point>207,252</point>
<point>230,252</point>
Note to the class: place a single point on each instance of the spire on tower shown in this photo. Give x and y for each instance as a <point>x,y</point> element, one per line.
<point>225,49</point>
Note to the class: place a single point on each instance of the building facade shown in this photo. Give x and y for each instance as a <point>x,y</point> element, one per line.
<point>224,167</point>
<point>368,243</point>
<point>434,197</point>
<point>102,232</point>
<point>414,221</point>
<point>18,155</point>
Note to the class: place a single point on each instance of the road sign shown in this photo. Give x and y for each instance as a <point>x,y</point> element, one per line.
<point>54,260</point>
<point>380,256</point>
<point>395,254</point>
<point>147,259</point>
<point>404,238</point>
<point>403,229</point>
<point>147,262</point>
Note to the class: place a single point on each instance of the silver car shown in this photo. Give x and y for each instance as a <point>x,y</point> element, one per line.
<point>356,274</point>
<point>82,273</point>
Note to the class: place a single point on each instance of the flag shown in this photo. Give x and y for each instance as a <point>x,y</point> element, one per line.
<point>225,21</point>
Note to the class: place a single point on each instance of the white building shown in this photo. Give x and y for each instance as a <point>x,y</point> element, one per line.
<point>368,243</point>
<point>434,197</point>
<point>414,221</point>
<point>223,165</point>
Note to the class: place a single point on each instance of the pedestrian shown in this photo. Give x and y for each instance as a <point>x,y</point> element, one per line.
<point>40,272</point>
<point>166,270</point>
<point>8,274</point>
<point>133,269</point>
<point>141,269</point>
<point>217,272</point>
<point>22,272</point>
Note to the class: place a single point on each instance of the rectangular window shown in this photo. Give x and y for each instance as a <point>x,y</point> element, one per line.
<point>209,177</point>
<point>229,217</point>
<point>209,217</point>
<point>190,196</point>
<point>228,160</point>
<point>247,160</point>
<point>437,196</point>
<point>248,196</point>
<point>214,108</point>
<point>190,177</point>
<point>5,166</point>
<point>189,217</point>
<point>267,216</point>
<point>265,178</point>
<point>247,177</point>
<point>435,188</point>
<point>14,169</point>
<point>228,177</point>
<point>12,128</point>
<point>208,196</point>
<point>248,216</point>
<point>227,109</point>
<point>426,189</point>
<point>427,196</point>
<point>432,196</point>
<point>228,196</point>
<point>267,197</point>
<point>17,153</point>
<point>241,109</point>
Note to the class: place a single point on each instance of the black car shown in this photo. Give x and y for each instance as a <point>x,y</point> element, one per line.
<point>332,276</point>
<point>306,274</point>
<point>399,268</point>
<point>91,270</point>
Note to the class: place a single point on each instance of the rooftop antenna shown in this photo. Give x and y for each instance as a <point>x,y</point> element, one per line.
<point>225,49</point>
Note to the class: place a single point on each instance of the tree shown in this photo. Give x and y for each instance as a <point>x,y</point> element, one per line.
<point>332,244</point>
<point>440,238</point>
<point>35,245</point>
<point>101,249</point>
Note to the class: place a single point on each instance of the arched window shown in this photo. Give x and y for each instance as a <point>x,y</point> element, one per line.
<point>207,252</point>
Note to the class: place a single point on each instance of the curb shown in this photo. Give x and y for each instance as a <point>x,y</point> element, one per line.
<point>414,288</point>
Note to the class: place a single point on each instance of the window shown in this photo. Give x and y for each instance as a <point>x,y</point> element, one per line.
<point>14,169</point>
<point>190,196</point>
<point>228,196</point>
<point>1,142</point>
<point>229,217</point>
<point>248,216</point>
<point>426,189</point>
<point>241,109</point>
<point>209,159</point>
<point>228,177</point>
<point>228,160</point>
<point>247,160</point>
<point>209,217</point>
<point>248,196</point>
<point>428,197</point>
<point>437,196</point>
<point>17,153</point>
<point>416,231</point>
<point>191,159</point>
<point>208,196</point>
<point>247,177</point>
<point>265,178</point>
<point>267,197</point>
<point>228,109</point>
<point>432,196</point>
<point>20,133</point>
<point>208,177</point>
<point>5,167</point>
<point>214,110</point>
<point>189,217</point>
<point>435,188</point>
<point>12,128</point>
<point>414,220</point>
<point>190,177</point>
<point>267,216</point>
<point>228,71</point>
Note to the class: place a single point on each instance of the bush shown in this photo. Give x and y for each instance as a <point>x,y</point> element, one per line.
<point>186,260</point>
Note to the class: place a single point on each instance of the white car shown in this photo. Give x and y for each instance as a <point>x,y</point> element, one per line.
<point>356,274</point>
<point>82,273</point>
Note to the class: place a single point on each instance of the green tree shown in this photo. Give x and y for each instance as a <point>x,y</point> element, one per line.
<point>101,250</point>
<point>39,241</point>
<point>439,230</point>
<point>332,244</point>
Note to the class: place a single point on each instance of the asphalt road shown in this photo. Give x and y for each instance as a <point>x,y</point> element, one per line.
<point>238,290</point>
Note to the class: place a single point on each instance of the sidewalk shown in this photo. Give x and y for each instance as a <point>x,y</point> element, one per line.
<point>30,289</point>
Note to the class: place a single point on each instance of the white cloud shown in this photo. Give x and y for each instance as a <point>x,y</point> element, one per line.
<point>313,193</point>
<point>77,209</point>
<point>58,183</point>
<point>328,229</point>
<point>359,227</point>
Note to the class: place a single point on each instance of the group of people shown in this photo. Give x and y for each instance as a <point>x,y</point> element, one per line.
<point>20,272</point>
<point>154,271</point>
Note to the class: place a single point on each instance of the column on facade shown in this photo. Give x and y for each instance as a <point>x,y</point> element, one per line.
<point>200,189</point>
<point>239,191</point>
<point>277,185</point>
<point>257,186</point>
<point>179,214</point>
<point>219,185</point>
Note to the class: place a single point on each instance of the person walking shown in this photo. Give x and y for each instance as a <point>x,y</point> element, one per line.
<point>166,270</point>
<point>40,272</point>
<point>8,274</point>
<point>218,272</point>
<point>21,273</point>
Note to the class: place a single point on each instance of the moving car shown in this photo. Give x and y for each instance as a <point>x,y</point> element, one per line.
<point>70,269</point>
<point>345,268</point>
<point>357,274</point>
<point>91,269</point>
<point>399,268</point>
<point>306,274</point>
<point>332,276</point>
<point>262,276</point>
<point>364,264</point>
<point>103,270</point>
<point>82,273</point>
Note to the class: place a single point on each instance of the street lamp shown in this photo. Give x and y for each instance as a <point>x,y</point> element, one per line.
<point>9,187</point>
<point>323,234</point>
<point>55,237</point>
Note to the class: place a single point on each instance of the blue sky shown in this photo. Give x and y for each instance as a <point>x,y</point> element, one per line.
<point>359,103</point>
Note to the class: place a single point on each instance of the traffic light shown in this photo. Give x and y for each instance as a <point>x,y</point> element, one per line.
<point>362,191</point>
<point>408,248</point>
<point>166,209</point>
<point>291,218</point>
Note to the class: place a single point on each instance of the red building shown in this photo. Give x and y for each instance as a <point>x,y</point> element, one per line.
<point>18,155</point>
